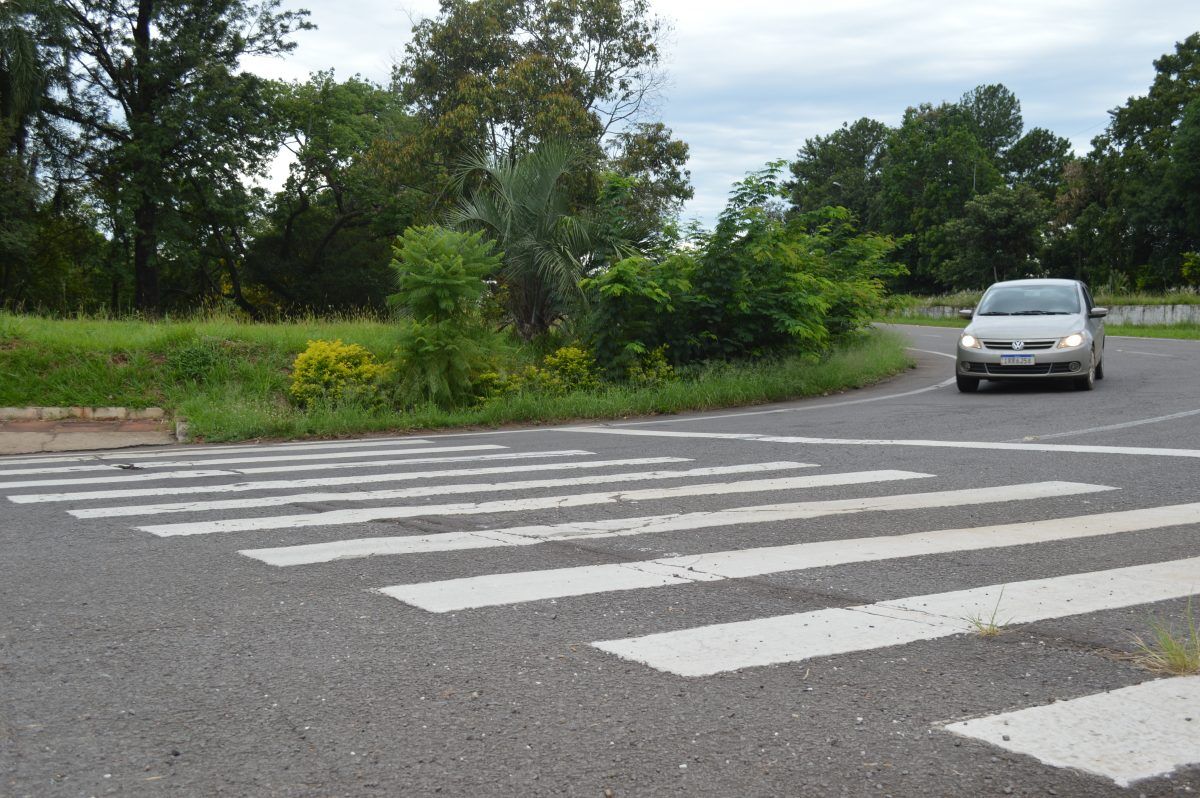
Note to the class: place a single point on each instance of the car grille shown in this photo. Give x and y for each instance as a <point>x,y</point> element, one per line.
<point>997,370</point>
<point>1029,345</point>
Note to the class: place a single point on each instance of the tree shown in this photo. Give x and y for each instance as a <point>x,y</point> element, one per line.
<point>993,113</point>
<point>502,75</point>
<point>1037,159</point>
<point>1143,160</point>
<point>148,78</point>
<point>843,169</point>
<point>524,205</point>
<point>324,242</point>
<point>998,237</point>
<point>932,167</point>
<point>645,188</point>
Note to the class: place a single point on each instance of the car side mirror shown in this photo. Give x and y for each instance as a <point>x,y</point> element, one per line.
<point>967,313</point>
<point>1097,313</point>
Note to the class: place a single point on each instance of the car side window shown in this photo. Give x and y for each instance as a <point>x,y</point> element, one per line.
<point>1087,296</point>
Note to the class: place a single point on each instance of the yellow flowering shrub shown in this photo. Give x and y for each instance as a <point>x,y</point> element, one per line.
<point>332,371</point>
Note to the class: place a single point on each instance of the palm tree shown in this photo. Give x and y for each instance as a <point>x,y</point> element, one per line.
<point>524,204</point>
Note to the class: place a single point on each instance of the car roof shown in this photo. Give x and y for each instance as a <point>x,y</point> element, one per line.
<point>1037,281</point>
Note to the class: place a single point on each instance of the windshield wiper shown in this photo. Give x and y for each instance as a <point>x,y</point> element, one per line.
<point>1040,313</point>
<point>993,313</point>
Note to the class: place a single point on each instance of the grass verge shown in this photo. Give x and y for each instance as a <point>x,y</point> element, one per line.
<point>229,378</point>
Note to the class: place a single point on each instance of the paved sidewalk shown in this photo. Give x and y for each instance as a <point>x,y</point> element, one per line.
<point>25,437</point>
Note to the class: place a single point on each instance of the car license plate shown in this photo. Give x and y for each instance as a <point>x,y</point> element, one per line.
<point>1016,360</point>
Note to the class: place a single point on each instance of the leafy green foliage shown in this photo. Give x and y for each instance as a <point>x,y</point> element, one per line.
<point>440,272</point>
<point>525,205</point>
<point>438,361</point>
<point>194,360</point>
<point>332,372</point>
<point>565,370</point>
<point>998,237</point>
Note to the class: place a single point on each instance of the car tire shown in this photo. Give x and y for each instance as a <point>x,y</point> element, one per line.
<point>1100,370</point>
<point>1087,382</point>
<point>966,384</point>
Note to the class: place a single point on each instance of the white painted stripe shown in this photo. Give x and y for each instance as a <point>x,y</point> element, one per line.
<point>1150,354</point>
<point>674,522</point>
<point>707,650</point>
<point>1124,425</point>
<point>931,352</point>
<point>790,409</point>
<point>357,479</point>
<point>139,476</point>
<point>492,590</point>
<point>130,455</point>
<point>338,517</point>
<point>1125,735</point>
<point>289,458</point>
<point>989,445</point>
<point>434,490</point>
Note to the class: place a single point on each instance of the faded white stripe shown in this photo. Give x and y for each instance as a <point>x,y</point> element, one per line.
<point>357,479</point>
<point>289,458</point>
<point>138,476</point>
<point>434,490</point>
<point>338,517</point>
<point>509,588</point>
<point>989,445</point>
<point>707,650</point>
<point>130,455</point>
<point>1125,735</point>
<point>674,522</point>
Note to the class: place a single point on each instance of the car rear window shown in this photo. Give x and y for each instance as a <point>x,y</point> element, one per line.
<point>1029,300</point>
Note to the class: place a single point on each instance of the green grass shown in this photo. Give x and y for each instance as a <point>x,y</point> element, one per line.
<point>229,378</point>
<point>1168,651</point>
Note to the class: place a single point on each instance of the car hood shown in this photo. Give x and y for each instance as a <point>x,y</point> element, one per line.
<point>1024,327</point>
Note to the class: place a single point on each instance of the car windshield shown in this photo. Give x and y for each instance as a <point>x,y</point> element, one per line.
<point>1030,300</point>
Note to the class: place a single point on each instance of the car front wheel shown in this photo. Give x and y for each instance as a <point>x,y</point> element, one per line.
<point>967,384</point>
<point>1088,382</point>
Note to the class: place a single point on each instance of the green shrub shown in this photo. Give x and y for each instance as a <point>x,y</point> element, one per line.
<point>332,372</point>
<point>651,369</point>
<point>194,361</point>
<point>440,272</point>
<point>440,276</point>
<point>564,371</point>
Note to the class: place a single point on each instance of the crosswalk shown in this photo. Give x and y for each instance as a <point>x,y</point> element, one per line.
<point>226,490</point>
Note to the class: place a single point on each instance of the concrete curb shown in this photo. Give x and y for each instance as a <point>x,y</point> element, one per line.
<point>88,413</point>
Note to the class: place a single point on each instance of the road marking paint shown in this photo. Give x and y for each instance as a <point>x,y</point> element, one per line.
<point>1150,354</point>
<point>433,490</point>
<point>290,458</point>
<point>492,590</point>
<point>357,479</point>
<point>707,650</point>
<point>357,516</point>
<point>1125,735</point>
<point>990,445</point>
<point>795,409</point>
<point>1123,425</point>
<point>126,456</point>
<point>931,352</point>
<point>674,522</point>
<point>127,477</point>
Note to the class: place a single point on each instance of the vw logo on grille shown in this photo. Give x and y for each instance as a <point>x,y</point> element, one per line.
<point>1018,345</point>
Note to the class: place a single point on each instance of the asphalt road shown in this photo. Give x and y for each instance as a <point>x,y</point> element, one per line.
<point>180,632</point>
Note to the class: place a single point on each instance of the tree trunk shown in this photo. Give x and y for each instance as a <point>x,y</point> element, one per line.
<point>145,242</point>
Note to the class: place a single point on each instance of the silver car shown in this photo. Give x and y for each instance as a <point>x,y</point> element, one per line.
<point>1033,329</point>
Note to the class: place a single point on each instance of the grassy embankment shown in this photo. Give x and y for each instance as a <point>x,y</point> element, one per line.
<point>966,299</point>
<point>229,378</point>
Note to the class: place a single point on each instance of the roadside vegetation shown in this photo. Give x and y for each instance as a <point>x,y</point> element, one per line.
<point>1171,650</point>
<point>232,379</point>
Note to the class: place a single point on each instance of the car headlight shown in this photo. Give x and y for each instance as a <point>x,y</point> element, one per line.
<point>1071,341</point>
<point>970,341</point>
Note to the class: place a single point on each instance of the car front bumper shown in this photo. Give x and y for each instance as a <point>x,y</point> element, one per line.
<point>988,364</point>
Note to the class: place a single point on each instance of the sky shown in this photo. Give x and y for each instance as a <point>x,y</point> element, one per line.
<point>748,82</point>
